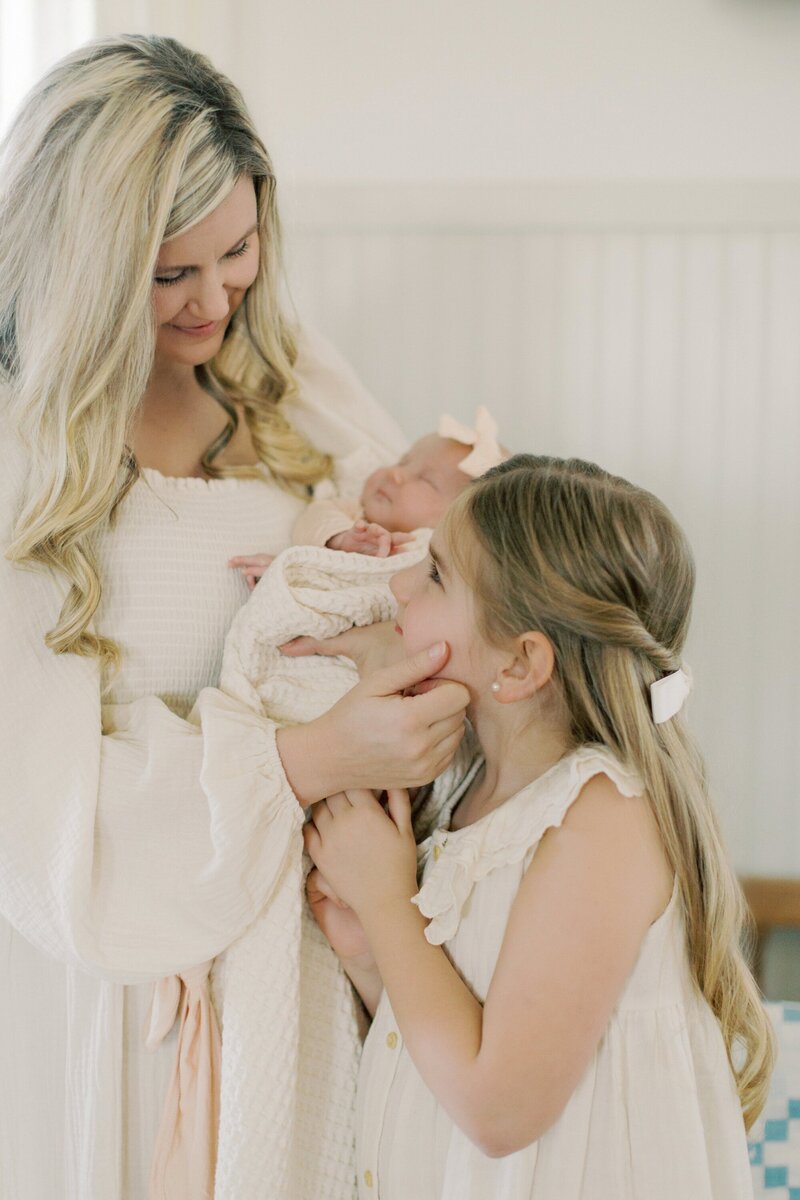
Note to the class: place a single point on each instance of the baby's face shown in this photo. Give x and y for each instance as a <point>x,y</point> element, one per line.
<point>415,492</point>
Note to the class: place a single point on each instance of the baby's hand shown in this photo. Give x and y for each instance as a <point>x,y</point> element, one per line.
<point>363,538</point>
<point>252,566</point>
<point>400,541</point>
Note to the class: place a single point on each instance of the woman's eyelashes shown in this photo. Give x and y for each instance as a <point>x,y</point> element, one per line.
<point>239,250</point>
<point>433,573</point>
<point>168,280</point>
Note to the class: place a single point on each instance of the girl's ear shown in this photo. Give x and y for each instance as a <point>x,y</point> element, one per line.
<point>530,670</point>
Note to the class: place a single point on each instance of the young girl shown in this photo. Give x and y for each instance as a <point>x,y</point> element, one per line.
<point>561,1008</point>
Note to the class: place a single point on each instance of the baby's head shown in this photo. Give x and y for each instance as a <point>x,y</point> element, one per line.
<point>416,492</point>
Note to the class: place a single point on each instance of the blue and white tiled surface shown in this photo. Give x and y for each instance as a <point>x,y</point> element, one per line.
<point>775,1138</point>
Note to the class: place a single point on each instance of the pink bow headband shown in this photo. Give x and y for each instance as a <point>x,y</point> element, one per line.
<point>486,451</point>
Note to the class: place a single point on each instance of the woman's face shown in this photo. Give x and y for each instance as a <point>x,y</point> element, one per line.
<point>202,277</point>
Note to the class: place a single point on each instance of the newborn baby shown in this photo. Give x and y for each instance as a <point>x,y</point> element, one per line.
<point>396,500</point>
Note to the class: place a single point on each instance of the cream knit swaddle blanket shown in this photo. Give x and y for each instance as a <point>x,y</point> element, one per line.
<point>290,1023</point>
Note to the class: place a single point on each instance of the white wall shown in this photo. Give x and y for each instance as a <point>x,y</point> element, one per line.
<point>430,90</point>
<point>524,89</point>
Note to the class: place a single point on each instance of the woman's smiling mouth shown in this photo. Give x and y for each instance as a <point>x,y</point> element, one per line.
<point>198,331</point>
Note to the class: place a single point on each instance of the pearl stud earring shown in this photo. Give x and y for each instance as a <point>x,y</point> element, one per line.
<point>495,687</point>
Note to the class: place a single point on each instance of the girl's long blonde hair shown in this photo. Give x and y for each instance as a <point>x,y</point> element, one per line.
<point>125,143</point>
<point>602,569</point>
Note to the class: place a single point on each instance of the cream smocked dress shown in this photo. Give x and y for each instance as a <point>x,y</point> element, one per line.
<point>655,1116</point>
<point>135,842</point>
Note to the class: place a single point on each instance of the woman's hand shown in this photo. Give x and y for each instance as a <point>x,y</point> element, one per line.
<point>369,646</point>
<point>381,734</point>
<point>366,854</point>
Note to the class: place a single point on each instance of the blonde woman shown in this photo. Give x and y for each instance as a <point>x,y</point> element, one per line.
<point>562,1011</point>
<point>157,413</point>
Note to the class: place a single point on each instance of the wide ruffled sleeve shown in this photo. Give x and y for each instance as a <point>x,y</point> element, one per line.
<point>457,860</point>
<point>135,843</point>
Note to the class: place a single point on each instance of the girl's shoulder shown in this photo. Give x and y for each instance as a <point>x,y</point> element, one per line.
<point>545,801</point>
<point>510,834</point>
<point>565,781</point>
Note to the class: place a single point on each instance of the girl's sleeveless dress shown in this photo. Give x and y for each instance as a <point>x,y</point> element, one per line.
<point>656,1114</point>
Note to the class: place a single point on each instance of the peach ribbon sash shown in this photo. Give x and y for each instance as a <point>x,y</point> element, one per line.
<point>185,1155</point>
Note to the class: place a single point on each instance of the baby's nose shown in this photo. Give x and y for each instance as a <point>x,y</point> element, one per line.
<point>398,474</point>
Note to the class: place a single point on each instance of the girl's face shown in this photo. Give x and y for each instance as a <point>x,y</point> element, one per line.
<point>202,277</point>
<point>435,604</point>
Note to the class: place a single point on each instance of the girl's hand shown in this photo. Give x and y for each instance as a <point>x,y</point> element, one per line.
<point>339,923</point>
<point>252,566</point>
<point>367,855</point>
<point>369,646</point>
<point>381,734</point>
<point>345,933</point>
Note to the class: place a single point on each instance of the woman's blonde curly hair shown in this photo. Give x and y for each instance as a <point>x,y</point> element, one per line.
<point>125,143</point>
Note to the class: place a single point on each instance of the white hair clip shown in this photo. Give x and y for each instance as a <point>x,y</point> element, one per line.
<point>668,694</point>
<point>483,437</point>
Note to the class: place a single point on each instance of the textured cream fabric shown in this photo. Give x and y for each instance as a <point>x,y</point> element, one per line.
<point>134,842</point>
<point>655,1116</point>
<point>292,1035</point>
